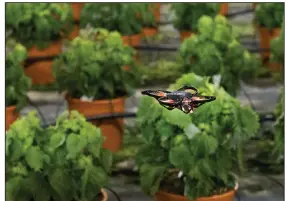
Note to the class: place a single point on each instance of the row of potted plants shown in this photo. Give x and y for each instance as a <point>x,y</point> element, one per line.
<point>41,28</point>
<point>45,26</point>
<point>216,51</point>
<point>188,14</point>
<point>186,157</point>
<point>268,21</point>
<point>96,70</point>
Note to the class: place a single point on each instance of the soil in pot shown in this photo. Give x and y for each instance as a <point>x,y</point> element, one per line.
<point>112,129</point>
<point>184,35</point>
<point>10,116</point>
<point>39,64</point>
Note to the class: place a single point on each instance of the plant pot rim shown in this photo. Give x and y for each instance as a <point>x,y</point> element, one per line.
<point>78,100</point>
<point>213,197</point>
<point>10,108</point>
<point>105,195</point>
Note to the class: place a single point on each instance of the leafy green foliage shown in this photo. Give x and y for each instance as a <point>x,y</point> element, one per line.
<point>216,51</point>
<point>161,71</point>
<point>146,15</point>
<point>277,47</point>
<point>119,17</point>
<point>269,15</point>
<point>93,65</point>
<point>38,23</point>
<point>63,162</point>
<point>187,14</point>
<point>279,126</point>
<point>201,145</point>
<point>16,83</point>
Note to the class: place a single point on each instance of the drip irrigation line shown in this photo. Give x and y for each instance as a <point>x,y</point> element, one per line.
<point>114,193</point>
<point>245,11</point>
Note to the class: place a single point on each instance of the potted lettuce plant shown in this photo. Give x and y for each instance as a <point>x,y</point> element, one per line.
<point>190,156</point>
<point>98,72</point>
<point>187,15</point>
<point>40,27</point>
<point>268,19</point>
<point>277,53</point>
<point>64,162</point>
<point>17,83</point>
<point>121,17</point>
<point>215,51</point>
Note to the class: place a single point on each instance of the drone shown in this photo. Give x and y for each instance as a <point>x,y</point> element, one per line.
<point>185,99</point>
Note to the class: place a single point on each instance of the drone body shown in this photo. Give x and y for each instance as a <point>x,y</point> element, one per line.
<point>185,99</point>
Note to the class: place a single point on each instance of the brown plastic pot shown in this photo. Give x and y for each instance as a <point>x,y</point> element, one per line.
<point>184,35</point>
<point>112,129</point>
<point>77,7</point>
<point>54,49</point>
<point>156,11</point>
<point>41,71</point>
<point>149,31</point>
<point>164,196</point>
<point>273,66</point>
<point>223,9</point>
<point>75,33</point>
<point>10,116</point>
<point>132,40</point>
<point>264,35</point>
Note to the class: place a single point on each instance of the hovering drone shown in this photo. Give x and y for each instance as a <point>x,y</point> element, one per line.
<point>185,99</point>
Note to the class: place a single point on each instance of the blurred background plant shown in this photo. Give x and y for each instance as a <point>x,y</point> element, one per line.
<point>16,83</point>
<point>216,51</point>
<point>38,23</point>
<point>113,17</point>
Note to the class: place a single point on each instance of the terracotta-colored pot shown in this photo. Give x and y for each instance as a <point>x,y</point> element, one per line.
<point>254,6</point>
<point>105,195</point>
<point>164,196</point>
<point>41,71</point>
<point>53,49</point>
<point>274,67</point>
<point>77,7</point>
<point>264,35</point>
<point>10,116</point>
<point>156,11</point>
<point>184,35</point>
<point>149,31</point>
<point>75,32</point>
<point>112,129</point>
<point>132,40</point>
<point>223,9</point>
